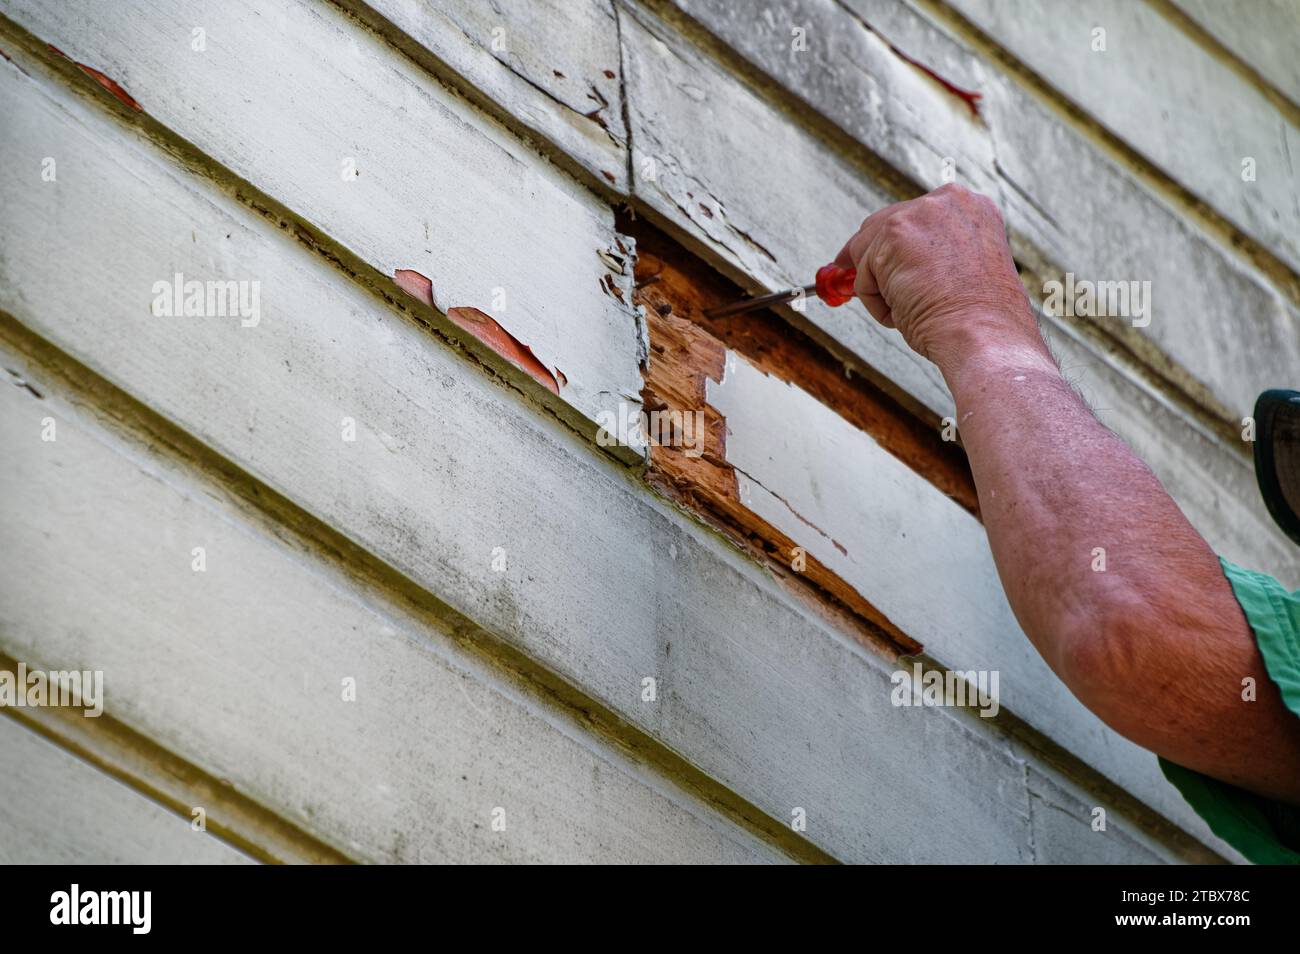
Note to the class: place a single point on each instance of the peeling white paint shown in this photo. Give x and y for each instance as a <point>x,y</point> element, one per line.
<point>441,189</point>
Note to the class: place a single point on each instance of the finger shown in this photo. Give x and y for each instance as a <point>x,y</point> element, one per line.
<point>868,292</point>
<point>851,253</point>
<point>845,257</point>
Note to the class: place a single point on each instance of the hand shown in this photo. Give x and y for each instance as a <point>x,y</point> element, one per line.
<point>938,269</point>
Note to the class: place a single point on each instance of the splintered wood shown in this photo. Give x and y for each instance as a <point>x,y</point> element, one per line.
<point>668,277</point>
<point>682,358</point>
<point>689,461</point>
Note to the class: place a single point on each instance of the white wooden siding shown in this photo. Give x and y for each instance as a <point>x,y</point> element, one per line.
<point>493,143</point>
<point>439,189</point>
<point>56,809</point>
<point>725,667</point>
<point>241,670</point>
<point>1196,118</point>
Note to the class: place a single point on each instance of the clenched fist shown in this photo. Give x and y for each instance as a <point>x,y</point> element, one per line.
<point>938,269</point>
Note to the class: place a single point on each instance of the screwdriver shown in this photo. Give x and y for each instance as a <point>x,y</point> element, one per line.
<point>833,285</point>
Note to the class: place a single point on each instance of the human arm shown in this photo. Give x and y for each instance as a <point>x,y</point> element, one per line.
<point>1155,644</point>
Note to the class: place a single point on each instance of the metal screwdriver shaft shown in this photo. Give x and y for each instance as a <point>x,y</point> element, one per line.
<point>762,301</point>
<point>834,285</point>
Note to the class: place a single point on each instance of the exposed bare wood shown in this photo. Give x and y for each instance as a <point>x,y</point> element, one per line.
<point>682,358</point>
<point>668,276</point>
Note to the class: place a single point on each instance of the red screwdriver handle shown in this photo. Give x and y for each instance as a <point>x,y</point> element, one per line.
<point>835,284</point>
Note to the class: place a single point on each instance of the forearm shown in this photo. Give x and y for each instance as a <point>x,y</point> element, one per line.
<point>1114,587</point>
<point>1117,591</point>
<point>1083,534</point>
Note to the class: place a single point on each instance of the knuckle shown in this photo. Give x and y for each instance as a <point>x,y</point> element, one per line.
<point>895,226</point>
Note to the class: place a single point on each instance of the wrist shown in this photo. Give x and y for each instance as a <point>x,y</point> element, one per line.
<point>981,343</point>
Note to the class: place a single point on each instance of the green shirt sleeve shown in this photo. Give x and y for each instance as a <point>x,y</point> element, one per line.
<point>1265,831</point>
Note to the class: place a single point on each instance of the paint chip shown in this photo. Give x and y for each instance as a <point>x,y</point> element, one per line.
<point>612,288</point>
<point>614,263</point>
<point>102,79</point>
<point>415,285</point>
<point>486,329</point>
<point>969,97</point>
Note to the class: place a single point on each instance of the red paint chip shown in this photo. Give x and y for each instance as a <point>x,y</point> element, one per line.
<point>415,285</point>
<point>103,80</point>
<point>969,97</point>
<point>486,329</point>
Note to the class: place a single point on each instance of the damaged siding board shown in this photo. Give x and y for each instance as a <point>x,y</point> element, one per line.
<point>689,463</point>
<point>696,473</point>
<point>243,669</point>
<point>1040,165</point>
<point>58,810</point>
<point>1196,120</point>
<point>447,465</point>
<point>1048,178</point>
<point>439,188</point>
<point>551,66</point>
<point>721,167</point>
<point>674,286</point>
